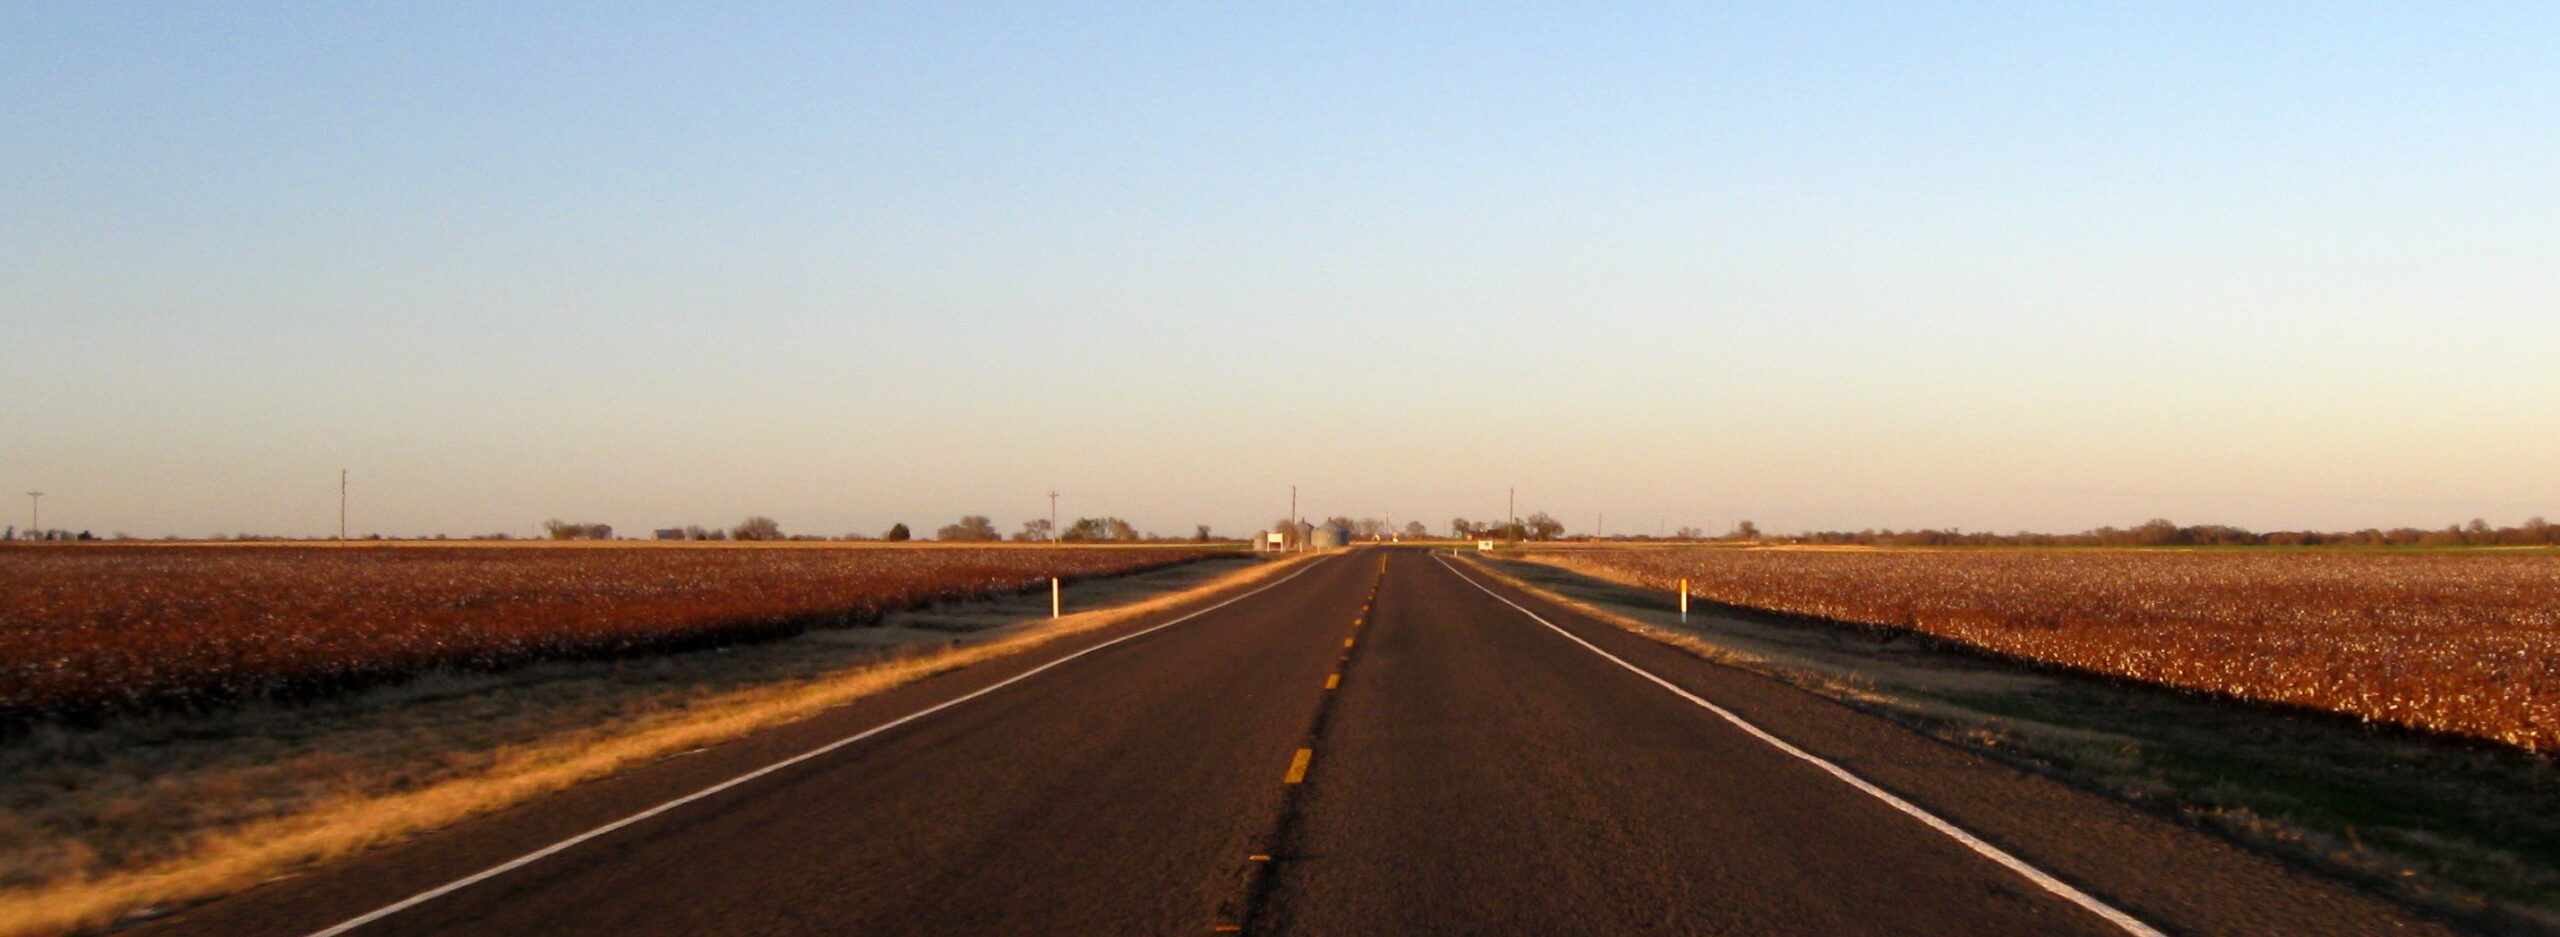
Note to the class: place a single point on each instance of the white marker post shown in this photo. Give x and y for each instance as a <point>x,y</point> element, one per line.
<point>1684,601</point>
<point>1054,607</point>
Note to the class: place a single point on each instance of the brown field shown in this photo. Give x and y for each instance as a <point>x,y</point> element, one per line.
<point>87,629</point>
<point>2459,642</point>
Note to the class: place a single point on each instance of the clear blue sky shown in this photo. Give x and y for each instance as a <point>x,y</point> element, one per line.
<point>1993,266</point>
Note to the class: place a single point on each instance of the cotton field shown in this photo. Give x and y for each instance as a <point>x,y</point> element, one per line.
<point>100,628</point>
<point>2464,641</point>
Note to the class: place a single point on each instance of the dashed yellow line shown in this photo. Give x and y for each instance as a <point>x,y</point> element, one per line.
<point>1346,642</point>
<point>1298,766</point>
<point>1333,681</point>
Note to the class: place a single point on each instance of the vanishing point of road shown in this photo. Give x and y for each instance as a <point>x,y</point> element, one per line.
<point>1382,742</point>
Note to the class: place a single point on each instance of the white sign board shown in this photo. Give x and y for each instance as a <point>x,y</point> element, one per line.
<point>1484,544</point>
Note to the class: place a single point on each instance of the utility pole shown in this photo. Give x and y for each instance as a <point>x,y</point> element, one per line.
<point>35,515</point>
<point>1512,507</point>
<point>342,505</point>
<point>1055,535</point>
<point>1293,518</point>
<point>1599,525</point>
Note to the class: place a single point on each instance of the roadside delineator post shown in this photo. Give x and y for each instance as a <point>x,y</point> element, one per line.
<point>1054,607</point>
<point>1684,601</point>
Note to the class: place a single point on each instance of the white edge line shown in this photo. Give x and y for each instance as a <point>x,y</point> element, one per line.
<point>2129,923</point>
<point>555,848</point>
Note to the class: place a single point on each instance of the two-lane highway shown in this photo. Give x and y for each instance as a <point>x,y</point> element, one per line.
<point>1381,743</point>
<point>1541,789</point>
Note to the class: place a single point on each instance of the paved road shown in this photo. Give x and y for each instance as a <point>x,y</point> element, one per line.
<point>1384,743</point>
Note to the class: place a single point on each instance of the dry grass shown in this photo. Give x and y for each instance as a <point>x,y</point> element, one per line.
<point>149,812</point>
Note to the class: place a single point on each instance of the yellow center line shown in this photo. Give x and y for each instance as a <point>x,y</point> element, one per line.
<point>1333,681</point>
<point>1346,642</point>
<point>1298,766</point>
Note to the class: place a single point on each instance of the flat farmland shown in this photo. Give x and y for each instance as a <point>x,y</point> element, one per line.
<point>91,629</point>
<point>2465,642</point>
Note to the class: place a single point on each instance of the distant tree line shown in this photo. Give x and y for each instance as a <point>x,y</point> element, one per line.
<point>2165,533</point>
<point>1293,531</point>
<point>974,528</point>
<point>2153,533</point>
<point>758,527</point>
<point>977,528</point>
<point>1537,526</point>
<point>55,534</point>
<point>565,530</point>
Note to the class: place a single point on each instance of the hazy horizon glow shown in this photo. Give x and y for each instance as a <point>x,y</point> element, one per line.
<point>1820,266</point>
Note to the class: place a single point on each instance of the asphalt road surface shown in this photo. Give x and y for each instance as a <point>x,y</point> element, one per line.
<point>1383,743</point>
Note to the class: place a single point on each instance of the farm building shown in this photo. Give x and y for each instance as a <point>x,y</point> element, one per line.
<point>1308,536</point>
